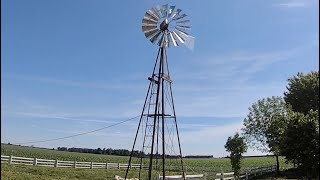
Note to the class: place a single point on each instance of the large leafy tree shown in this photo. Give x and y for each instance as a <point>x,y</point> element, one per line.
<point>265,124</point>
<point>303,92</point>
<point>300,143</point>
<point>236,146</point>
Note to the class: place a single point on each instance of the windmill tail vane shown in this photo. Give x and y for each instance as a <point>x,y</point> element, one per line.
<point>156,151</point>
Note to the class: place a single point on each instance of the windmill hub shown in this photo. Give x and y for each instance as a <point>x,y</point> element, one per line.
<point>164,25</point>
<point>155,26</point>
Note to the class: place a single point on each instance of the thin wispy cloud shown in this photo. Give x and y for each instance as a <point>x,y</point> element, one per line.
<point>214,136</point>
<point>224,104</point>
<point>110,133</point>
<point>232,69</point>
<point>26,108</point>
<point>209,132</point>
<point>225,79</point>
<point>111,85</point>
<point>238,66</point>
<point>219,67</point>
<point>206,99</point>
<point>292,4</point>
<point>52,116</point>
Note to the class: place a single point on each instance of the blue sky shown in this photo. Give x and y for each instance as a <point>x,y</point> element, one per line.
<point>73,66</point>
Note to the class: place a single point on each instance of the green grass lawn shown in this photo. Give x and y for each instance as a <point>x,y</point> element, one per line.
<point>194,166</point>
<point>22,172</point>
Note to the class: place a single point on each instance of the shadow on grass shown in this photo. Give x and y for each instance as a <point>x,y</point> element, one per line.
<point>292,173</point>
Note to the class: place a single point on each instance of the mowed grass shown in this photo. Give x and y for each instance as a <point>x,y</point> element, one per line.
<point>194,165</point>
<point>22,172</point>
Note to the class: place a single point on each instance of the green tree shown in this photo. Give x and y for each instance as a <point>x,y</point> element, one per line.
<point>303,92</point>
<point>236,146</point>
<point>300,143</point>
<point>265,124</point>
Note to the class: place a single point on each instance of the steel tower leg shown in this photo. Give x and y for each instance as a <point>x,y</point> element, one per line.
<point>159,87</point>
<point>141,116</point>
<point>176,124</point>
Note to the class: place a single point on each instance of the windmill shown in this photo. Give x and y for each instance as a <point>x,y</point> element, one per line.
<point>160,154</point>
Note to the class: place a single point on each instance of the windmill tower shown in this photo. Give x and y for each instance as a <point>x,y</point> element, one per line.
<point>159,151</point>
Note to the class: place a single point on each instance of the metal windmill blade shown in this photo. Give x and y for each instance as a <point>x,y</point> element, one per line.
<point>166,26</point>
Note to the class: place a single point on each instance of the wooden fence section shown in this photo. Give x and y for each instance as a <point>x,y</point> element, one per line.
<point>63,164</point>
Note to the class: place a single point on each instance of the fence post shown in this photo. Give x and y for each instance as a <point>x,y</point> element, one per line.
<point>56,163</point>
<point>118,165</point>
<point>260,171</point>
<point>35,161</point>
<point>247,176</point>
<point>222,176</point>
<point>106,165</point>
<point>10,159</point>
<point>91,165</point>
<point>75,164</point>
<point>205,176</point>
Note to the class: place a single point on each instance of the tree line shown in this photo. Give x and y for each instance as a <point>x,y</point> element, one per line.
<point>284,126</point>
<point>118,152</point>
<point>108,151</point>
<point>199,156</point>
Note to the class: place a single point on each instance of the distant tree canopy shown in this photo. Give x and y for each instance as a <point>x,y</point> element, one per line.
<point>199,156</point>
<point>303,92</point>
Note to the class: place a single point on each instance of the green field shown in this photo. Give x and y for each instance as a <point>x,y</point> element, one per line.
<point>22,151</point>
<point>211,165</point>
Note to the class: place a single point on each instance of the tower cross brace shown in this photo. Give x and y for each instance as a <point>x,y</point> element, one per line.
<point>158,111</point>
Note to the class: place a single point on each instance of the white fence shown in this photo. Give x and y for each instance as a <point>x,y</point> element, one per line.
<point>180,177</point>
<point>260,171</point>
<point>63,164</point>
<point>225,176</point>
<point>249,174</point>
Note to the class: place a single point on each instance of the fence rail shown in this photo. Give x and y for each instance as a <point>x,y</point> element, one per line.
<point>180,177</point>
<point>259,171</point>
<point>64,164</point>
<point>248,174</point>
